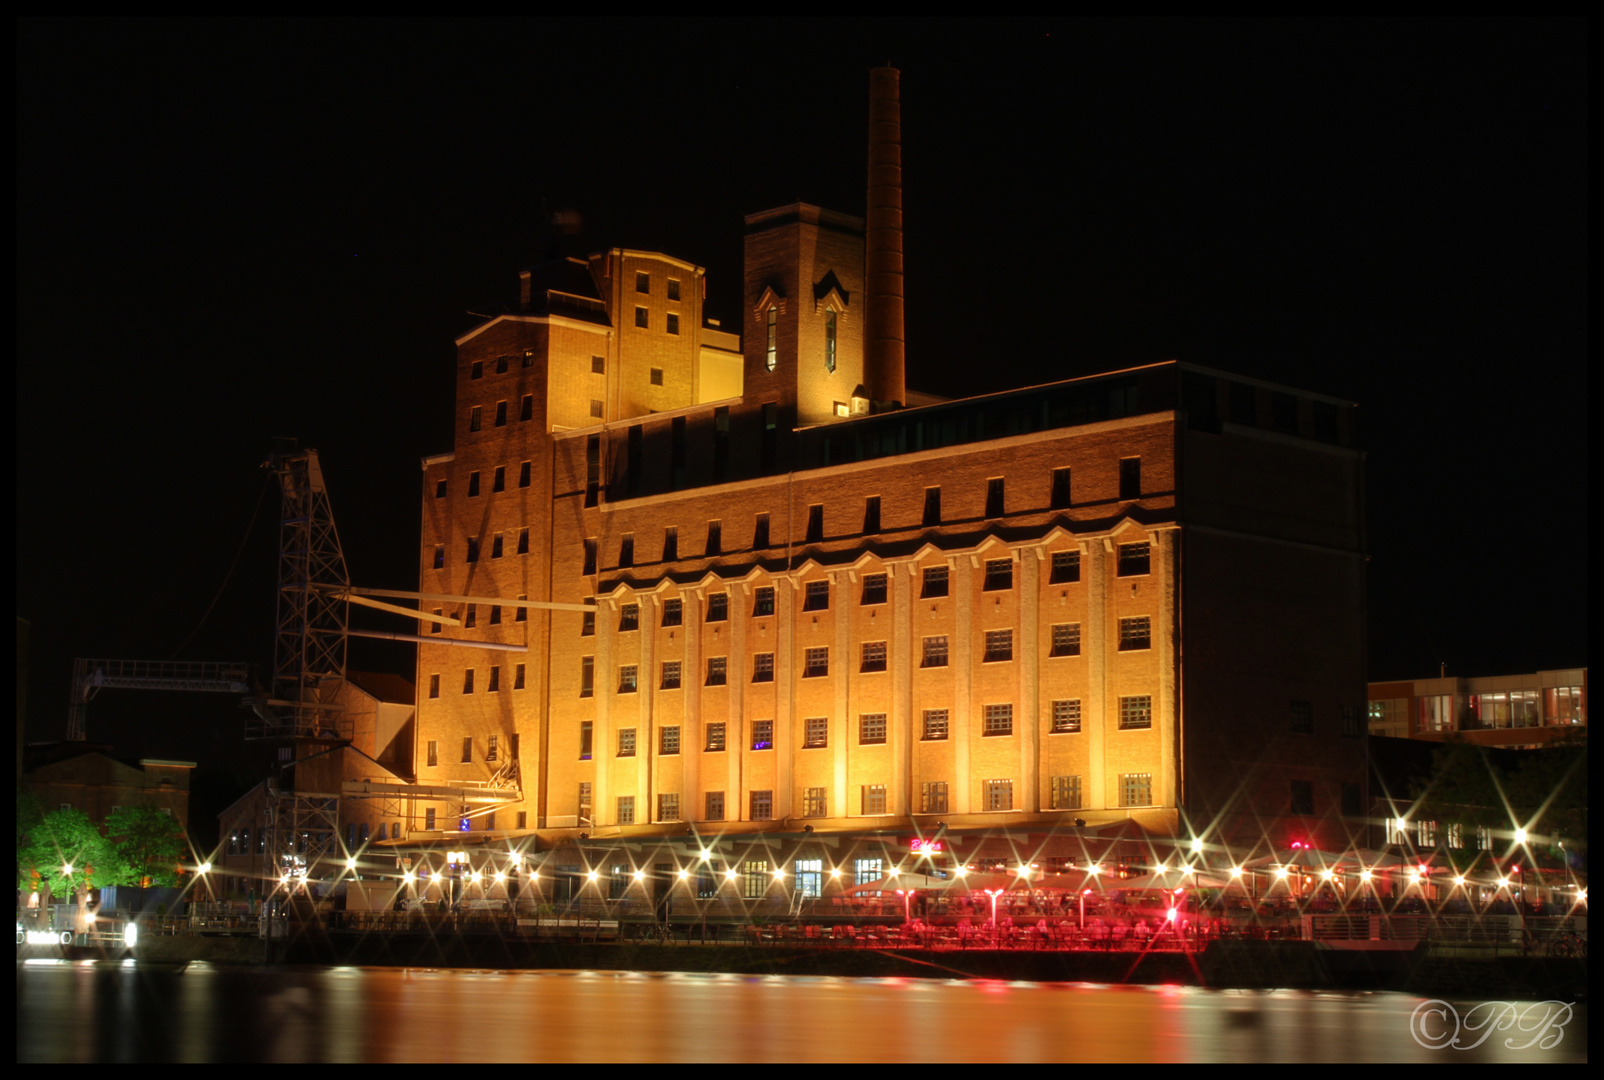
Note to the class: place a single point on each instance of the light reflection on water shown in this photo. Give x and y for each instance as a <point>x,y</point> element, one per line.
<point>125,1012</point>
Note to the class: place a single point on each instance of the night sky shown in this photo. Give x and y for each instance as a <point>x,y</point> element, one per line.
<point>234,230</point>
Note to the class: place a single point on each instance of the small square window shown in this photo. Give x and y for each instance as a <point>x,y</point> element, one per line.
<point>933,797</point>
<point>668,740</point>
<point>872,729</point>
<point>999,646</point>
<point>1066,639</point>
<point>668,807</point>
<point>627,679</point>
<point>935,582</point>
<point>1135,713</point>
<point>817,596</point>
<point>763,735</point>
<point>816,732</point>
<point>477,370</point>
<point>1066,568</point>
<point>999,794</point>
<point>716,670</point>
<point>814,803</point>
<point>874,656</point>
<point>763,667</point>
<point>1134,559</point>
<point>1066,717</point>
<point>657,376</point>
<point>935,725</point>
<point>817,662</point>
<point>643,318</point>
<point>1136,789</point>
<point>673,323</point>
<point>673,288</point>
<point>598,365</point>
<point>626,742</point>
<point>643,282</point>
<point>1135,633</point>
<point>762,810</point>
<point>999,720</point>
<point>874,800</point>
<point>874,589</point>
<point>1066,793</point>
<point>999,575</point>
<point>935,652</point>
<point>597,409</point>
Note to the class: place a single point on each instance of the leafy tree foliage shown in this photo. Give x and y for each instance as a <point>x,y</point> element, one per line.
<point>66,852</point>
<point>150,842</point>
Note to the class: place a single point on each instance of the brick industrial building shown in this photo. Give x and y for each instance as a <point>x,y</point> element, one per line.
<point>832,614</point>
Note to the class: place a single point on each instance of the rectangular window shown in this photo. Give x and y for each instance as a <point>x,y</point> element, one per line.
<point>473,549</point>
<point>1302,717</point>
<point>999,720</point>
<point>817,596</point>
<point>434,753</point>
<point>671,543</point>
<point>874,800</point>
<point>999,575</point>
<point>829,340</point>
<point>1130,478</point>
<point>999,646</point>
<point>643,318</point>
<point>467,681</point>
<point>585,803</point>
<point>763,735</point>
<point>670,679</point>
<point>597,409</point>
<point>587,623</point>
<point>518,678</point>
<point>473,484</point>
<point>1066,568</point>
<point>1352,806</point>
<point>1066,639</point>
<point>763,667</point>
<point>673,323</point>
<point>523,820</point>
<point>1350,721</point>
<point>586,732</point>
<point>673,288</point>
<point>523,474</point>
<point>523,541</point>
<point>935,582</point>
<point>434,628</point>
<point>994,497</point>
<point>626,742</point>
<point>428,819</point>
<point>999,794</point>
<point>439,556</point>
<point>627,683</point>
<point>470,617</point>
<point>440,489</point>
<point>871,515</point>
<point>760,533</point>
<point>715,737</point>
<point>1134,559</point>
<point>521,613</point>
<point>494,748</point>
<point>815,530</point>
<point>816,732</point>
<point>496,546</point>
<point>643,282</point>
<point>874,589</point>
<point>668,808</point>
<point>933,797</point>
<point>1302,801</point>
<point>1066,717</point>
<point>935,725</point>
<point>1136,789</point>
<point>935,651</point>
<point>628,617</point>
<point>715,538</point>
<point>1135,713</point>
<point>713,806</point>
<point>467,750</point>
<point>434,686</point>
<point>773,321</point>
<point>1284,411</point>
<point>587,676</point>
<point>475,418</point>
<point>501,414</point>
<point>762,810</point>
<point>1060,492</point>
<point>495,680</point>
<point>718,607</point>
<point>874,656</point>
<point>816,662</point>
<point>755,875</point>
<point>867,871</point>
<point>626,812</point>
<point>598,365</point>
<point>1244,403</point>
<point>763,600</point>
<point>1066,793</point>
<point>932,513</point>
<point>716,670</point>
<point>1135,633</point>
<point>872,729</point>
<point>813,802</point>
<point>657,376</point>
<point>673,612</point>
<point>668,740</point>
<point>626,551</point>
<point>512,747</point>
<point>590,558</point>
<point>526,407</point>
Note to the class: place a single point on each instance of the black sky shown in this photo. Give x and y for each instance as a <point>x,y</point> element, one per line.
<point>233,230</point>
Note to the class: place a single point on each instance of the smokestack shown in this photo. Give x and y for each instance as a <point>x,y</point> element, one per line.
<point>884,360</point>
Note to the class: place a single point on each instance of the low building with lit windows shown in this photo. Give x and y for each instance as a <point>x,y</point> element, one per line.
<point>1507,711</point>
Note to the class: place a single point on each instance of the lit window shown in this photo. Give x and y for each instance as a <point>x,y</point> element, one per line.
<point>935,725</point>
<point>774,337</point>
<point>1066,793</point>
<point>999,794</point>
<point>813,802</point>
<point>763,735</point>
<point>999,720</point>
<point>626,742</point>
<point>874,799</point>
<point>816,732</point>
<point>715,737</point>
<point>1136,789</point>
<point>1135,712</point>
<point>1066,717</point>
<point>933,797</point>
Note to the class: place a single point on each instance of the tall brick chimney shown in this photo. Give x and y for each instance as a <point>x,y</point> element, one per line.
<point>884,360</point>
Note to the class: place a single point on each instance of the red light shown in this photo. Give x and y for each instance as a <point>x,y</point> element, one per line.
<point>1170,914</point>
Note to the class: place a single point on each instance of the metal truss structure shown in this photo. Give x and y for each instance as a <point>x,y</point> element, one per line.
<point>89,677</point>
<point>309,649</point>
<point>303,830</point>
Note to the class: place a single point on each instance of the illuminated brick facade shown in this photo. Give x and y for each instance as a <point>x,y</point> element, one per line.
<point>1136,596</point>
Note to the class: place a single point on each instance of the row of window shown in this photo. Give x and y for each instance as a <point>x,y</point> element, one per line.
<point>498,480</point>
<point>527,359</point>
<point>1134,789</point>
<point>492,749</point>
<point>1135,714</point>
<point>492,683</point>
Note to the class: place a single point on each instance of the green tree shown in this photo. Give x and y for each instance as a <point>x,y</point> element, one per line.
<point>71,857</point>
<point>149,841</point>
